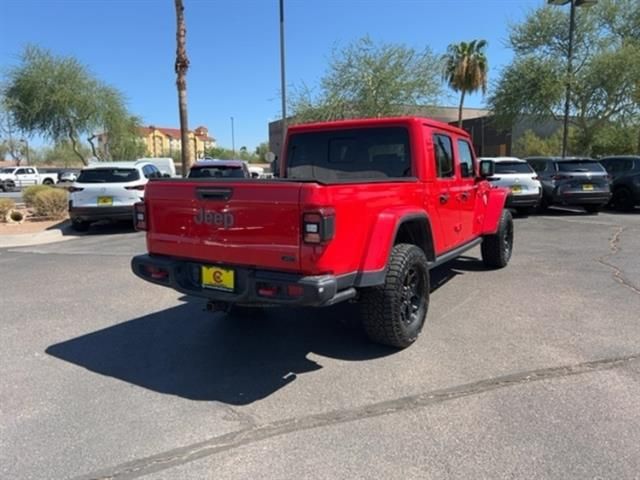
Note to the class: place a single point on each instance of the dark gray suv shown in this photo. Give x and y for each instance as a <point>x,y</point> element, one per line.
<point>624,171</point>
<point>575,181</point>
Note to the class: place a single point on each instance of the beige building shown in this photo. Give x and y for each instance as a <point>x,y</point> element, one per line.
<point>163,142</point>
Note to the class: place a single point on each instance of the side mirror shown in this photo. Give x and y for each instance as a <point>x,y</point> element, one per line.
<point>487,168</point>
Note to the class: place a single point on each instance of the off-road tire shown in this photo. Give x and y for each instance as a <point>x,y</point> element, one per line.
<point>80,226</point>
<point>394,313</point>
<point>497,248</point>
<point>622,199</point>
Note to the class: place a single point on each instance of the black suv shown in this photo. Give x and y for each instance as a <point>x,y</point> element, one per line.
<point>575,181</point>
<point>624,172</point>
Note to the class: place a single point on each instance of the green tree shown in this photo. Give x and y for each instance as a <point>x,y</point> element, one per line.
<point>261,151</point>
<point>466,69</point>
<point>606,68</point>
<point>58,98</point>
<point>365,79</point>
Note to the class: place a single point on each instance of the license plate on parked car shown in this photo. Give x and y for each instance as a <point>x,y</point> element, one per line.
<point>105,201</point>
<point>218,278</point>
<point>587,186</point>
<point>516,188</point>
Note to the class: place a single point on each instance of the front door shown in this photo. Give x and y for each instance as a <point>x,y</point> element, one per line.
<point>467,190</point>
<point>445,192</point>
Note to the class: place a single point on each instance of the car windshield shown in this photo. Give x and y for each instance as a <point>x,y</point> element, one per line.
<point>217,171</point>
<point>512,167</point>
<point>350,154</point>
<point>108,175</point>
<point>580,166</point>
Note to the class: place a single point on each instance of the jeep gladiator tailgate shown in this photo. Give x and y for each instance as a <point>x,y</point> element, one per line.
<point>226,222</point>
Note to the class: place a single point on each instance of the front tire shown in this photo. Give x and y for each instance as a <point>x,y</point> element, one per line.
<point>497,248</point>
<point>394,313</point>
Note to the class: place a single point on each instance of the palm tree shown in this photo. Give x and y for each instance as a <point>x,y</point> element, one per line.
<point>465,69</point>
<point>181,67</point>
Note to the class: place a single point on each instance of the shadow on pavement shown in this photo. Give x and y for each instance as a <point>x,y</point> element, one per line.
<point>102,228</point>
<point>190,353</point>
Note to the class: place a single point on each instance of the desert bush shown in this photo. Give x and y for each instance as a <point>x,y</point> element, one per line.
<point>29,193</point>
<point>6,205</point>
<point>51,203</point>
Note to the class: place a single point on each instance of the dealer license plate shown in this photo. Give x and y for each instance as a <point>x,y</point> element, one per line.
<point>218,278</point>
<point>516,189</point>
<point>105,201</point>
<point>587,186</point>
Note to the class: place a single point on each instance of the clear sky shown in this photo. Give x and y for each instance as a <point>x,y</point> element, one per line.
<point>233,47</point>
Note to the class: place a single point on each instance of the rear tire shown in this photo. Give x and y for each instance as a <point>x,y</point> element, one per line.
<point>622,199</point>
<point>394,313</point>
<point>497,248</point>
<point>47,181</point>
<point>80,226</point>
<point>592,208</point>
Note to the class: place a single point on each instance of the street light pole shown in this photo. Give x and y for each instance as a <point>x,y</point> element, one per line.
<point>233,139</point>
<point>572,27</point>
<point>283,87</point>
<point>567,100</point>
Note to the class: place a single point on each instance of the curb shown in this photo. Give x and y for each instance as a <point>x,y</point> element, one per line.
<point>59,234</point>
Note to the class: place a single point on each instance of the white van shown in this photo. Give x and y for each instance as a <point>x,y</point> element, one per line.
<point>164,164</point>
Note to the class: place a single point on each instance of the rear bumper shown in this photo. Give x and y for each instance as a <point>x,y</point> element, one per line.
<point>581,198</point>
<point>523,200</point>
<point>87,214</point>
<point>185,277</point>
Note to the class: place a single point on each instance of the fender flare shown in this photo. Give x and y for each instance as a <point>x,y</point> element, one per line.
<point>383,236</point>
<point>496,199</point>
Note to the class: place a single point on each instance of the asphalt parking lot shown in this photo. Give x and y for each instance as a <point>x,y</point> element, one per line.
<point>528,372</point>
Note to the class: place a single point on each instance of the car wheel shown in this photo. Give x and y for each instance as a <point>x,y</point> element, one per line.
<point>80,226</point>
<point>592,208</point>
<point>497,248</point>
<point>9,186</point>
<point>622,199</point>
<point>47,181</point>
<point>394,313</point>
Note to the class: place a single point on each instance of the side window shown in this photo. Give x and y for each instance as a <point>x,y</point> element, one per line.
<point>538,165</point>
<point>443,155</point>
<point>155,172</point>
<point>31,171</point>
<point>627,165</point>
<point>466,159</point>
<point>147,171</point>
<point>21,171</point>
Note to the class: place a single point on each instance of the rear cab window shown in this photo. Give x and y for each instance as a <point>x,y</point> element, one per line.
<point>512,167</point>
<point>217,171</point>
<point>590,166</point>
<point>443,153</point>
<point>108,175</point>
<point>350,154</point>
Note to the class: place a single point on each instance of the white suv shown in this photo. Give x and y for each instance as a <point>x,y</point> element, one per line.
<point>108,191</point>
<point>518,176</point>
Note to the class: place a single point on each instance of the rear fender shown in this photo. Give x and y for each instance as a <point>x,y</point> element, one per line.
<point>383,235</point>
<point>494,200</point>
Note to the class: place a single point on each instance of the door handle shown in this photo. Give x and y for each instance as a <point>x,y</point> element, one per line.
<point>444,198</point>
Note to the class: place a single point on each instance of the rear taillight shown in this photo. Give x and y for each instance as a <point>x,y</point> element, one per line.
<point>137,187</point>
<point>74,189</point>
<point>140,216</point>
<point>319,226</point>
<point>156,273</point>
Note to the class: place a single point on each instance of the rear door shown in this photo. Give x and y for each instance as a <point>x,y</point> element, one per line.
<point>468,188</point>
<point>226,222</point>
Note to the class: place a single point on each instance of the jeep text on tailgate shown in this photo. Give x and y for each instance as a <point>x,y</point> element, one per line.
<point>362,210</point>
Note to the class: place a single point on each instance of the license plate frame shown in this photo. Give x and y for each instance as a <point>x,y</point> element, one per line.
<point>105,201</point>
<point>516,188</point>
<point>217,278</point>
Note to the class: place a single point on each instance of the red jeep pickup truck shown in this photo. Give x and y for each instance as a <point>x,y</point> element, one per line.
<point>361,211</point>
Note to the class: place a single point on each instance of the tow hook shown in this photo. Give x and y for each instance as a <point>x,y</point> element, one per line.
<point>213,306</point>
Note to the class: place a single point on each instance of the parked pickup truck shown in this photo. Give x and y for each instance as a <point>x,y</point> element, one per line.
<point>19,177</point>
<point>362,210</point>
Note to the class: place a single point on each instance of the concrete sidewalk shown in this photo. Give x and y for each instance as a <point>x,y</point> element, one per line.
<point>58,234</point>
